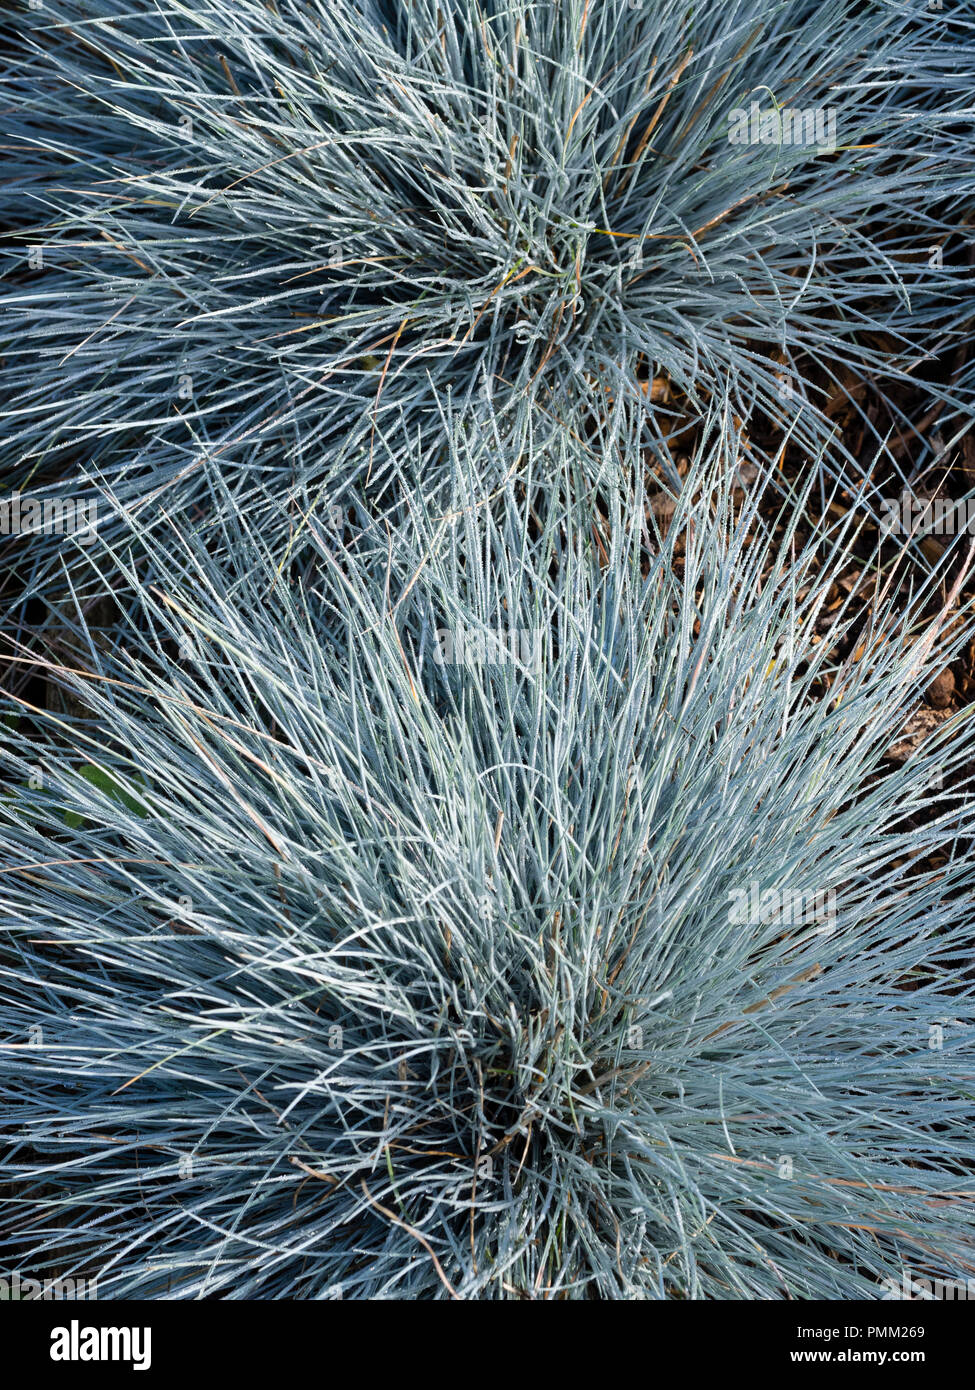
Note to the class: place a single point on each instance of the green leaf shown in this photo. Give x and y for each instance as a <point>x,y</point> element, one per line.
<point>99,778</point>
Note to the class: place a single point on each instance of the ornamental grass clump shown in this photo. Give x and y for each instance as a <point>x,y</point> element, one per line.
<point>356,948</point>
<point>273,239</point>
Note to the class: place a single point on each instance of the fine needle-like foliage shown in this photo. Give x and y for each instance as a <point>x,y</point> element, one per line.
<point>355,948</point>
<point>276,238</point>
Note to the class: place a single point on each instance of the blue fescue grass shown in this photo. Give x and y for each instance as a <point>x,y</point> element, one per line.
<point>372,975</point>
<point>276,238</point>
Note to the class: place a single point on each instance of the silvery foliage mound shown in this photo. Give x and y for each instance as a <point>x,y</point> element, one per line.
<point>279,243</point>
<point>352,949</point>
